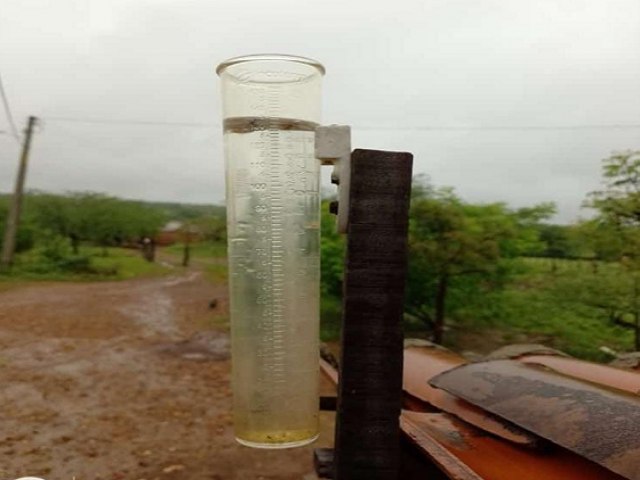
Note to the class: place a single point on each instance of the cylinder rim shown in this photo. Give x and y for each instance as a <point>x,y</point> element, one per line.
<point>270,57</point>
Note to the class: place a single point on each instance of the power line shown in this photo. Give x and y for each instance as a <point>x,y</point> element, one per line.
<point>7,111</point>
<point>614,126</point>
<point>111,121</point>
<point>464,128</point>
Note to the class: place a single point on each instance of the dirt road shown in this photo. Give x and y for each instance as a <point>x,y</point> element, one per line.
<point>124,380</point>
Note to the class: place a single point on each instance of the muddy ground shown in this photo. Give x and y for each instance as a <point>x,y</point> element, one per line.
<point>125,380</point>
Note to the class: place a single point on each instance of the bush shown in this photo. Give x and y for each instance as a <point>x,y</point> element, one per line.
<point>25,238</point>
<point>55,257</point>
<point>76,264</point>
<point>55,248</point>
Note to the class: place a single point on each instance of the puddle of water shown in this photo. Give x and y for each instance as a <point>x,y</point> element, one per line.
<point>173,281</point>
<point>203,346</point>
<point>153,311</point>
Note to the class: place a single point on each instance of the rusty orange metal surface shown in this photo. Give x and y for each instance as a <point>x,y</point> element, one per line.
<point>423,438</point>
<point>626,380</point>
<point>464,452</point>
<point>596,422</point>
<point>423,363</point>
<point>441,436</point>
<point>431,361</point>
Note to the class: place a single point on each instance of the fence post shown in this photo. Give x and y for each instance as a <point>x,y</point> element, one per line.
<point>367,442</point>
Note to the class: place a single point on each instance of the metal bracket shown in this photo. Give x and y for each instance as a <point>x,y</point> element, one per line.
<point>333,147</point>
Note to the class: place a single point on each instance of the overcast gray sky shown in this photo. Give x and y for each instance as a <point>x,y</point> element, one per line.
<point>429,76</point>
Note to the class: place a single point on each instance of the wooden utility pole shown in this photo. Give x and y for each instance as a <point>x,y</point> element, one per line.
<point>13,217</point>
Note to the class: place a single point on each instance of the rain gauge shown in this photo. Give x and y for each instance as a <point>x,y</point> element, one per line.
<point>271,108</point>
<point>274,147</point>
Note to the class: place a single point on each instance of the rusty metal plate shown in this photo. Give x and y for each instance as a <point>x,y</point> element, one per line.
<point>465,452</point>
<point>626,380</point>
<point>423,363</point>
<point>599,423</point>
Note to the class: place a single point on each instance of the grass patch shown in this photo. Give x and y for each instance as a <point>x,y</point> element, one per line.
<point>126,264</point>
<point>92,264</point>
<point>574,330</point>
<point>546,303</point>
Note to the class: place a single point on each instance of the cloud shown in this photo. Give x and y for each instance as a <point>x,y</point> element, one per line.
<point>392,69</point>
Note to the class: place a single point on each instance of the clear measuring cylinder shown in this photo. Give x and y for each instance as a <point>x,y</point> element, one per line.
<point>271,106</point>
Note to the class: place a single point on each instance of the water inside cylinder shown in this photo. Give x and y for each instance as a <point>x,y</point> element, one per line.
<point>273,219</point>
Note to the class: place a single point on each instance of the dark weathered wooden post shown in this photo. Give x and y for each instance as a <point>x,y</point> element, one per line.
<point>367,443</point>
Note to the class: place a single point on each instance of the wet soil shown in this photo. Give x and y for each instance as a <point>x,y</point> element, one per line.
<point>125,380</point>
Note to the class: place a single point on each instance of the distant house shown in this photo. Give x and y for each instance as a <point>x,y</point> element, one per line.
<point>169,234</point>
<point>175,231</point>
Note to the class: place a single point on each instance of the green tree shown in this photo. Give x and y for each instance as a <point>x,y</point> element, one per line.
<point>458,251</point>
<point>94,217</point>
<point>610,292</point>
<point>556,240</point>
<point>619,201</point>
<point>111,221</point>
<point>331,254</point>
<point>618,227</point>
<point>58,215</point>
